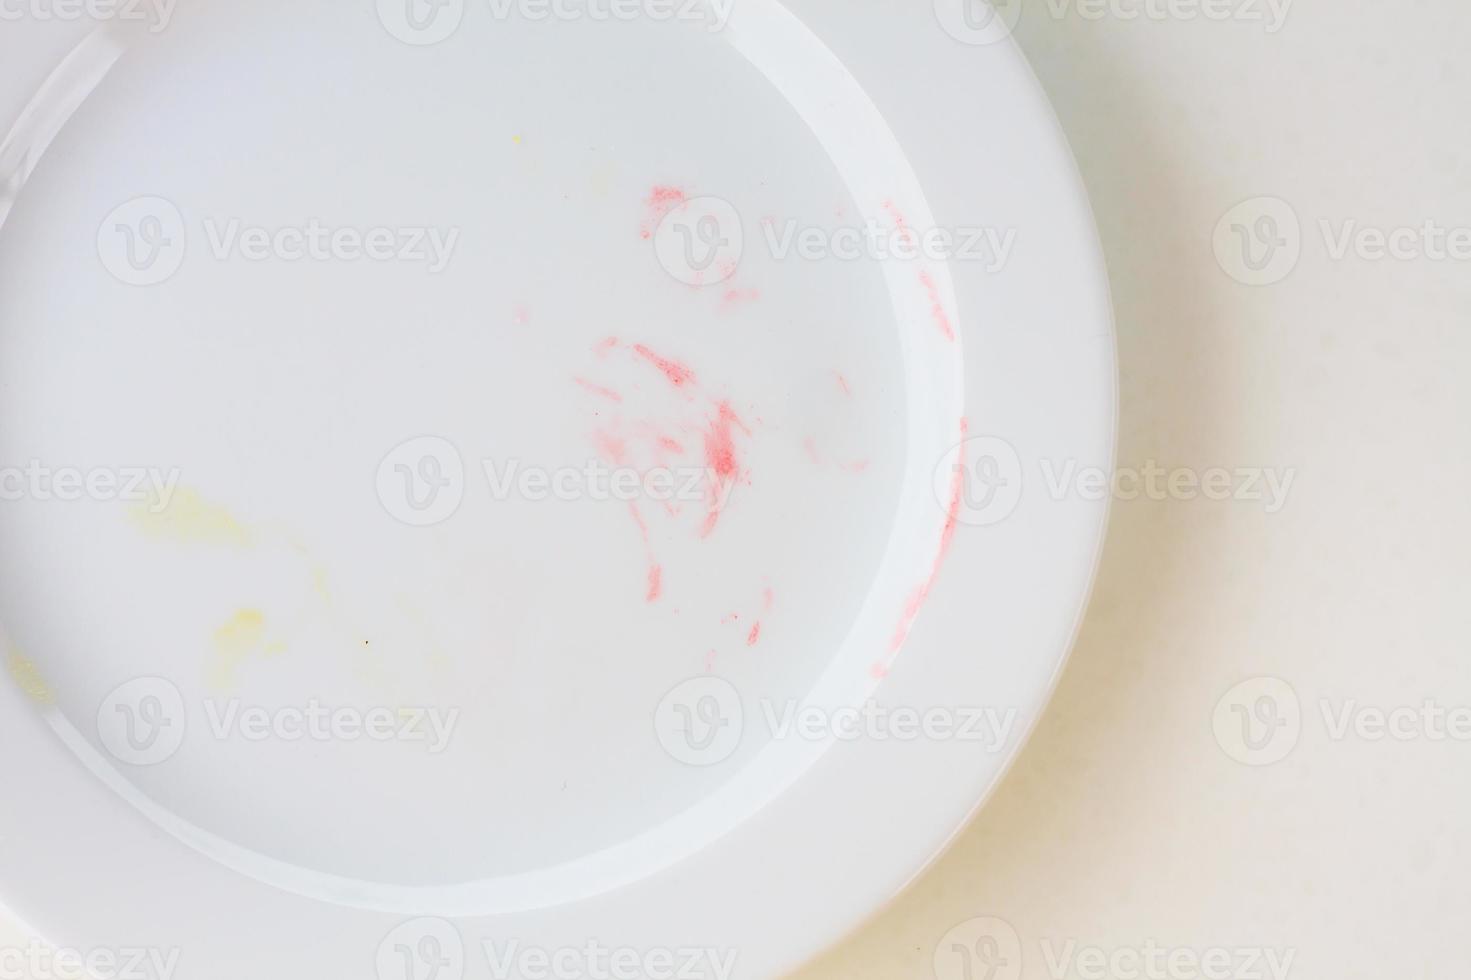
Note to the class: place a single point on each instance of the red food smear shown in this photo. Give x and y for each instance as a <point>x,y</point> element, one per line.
<point>720,450</point>
<point>900,222</point>
<point>613,448</point>
<point>661,200</point>
<point>678,374</point>
<point>937,306</point>
<point>599,390</point>
<point>947,536</point>
<point>721,458</point>
<point>656,571</point>
<point>735,297</point>
<point>768,599</point>
<point>661,445</point>
<point>664,199</point>
<point>754,636</point>
<point>638,519</point>
<point>648,441</point>
<point>843,383</point>
<point>810,444</point>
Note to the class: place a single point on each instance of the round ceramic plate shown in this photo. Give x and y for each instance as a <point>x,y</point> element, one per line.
<point>515,488</point>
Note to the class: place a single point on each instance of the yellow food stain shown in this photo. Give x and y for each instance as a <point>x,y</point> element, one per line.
<point>516,139</point>
<point>319,584</point>
<point>27,677</point>
<point>189,517</point>
<point>237,641</point>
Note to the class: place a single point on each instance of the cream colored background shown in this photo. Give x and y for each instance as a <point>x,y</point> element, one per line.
<point>1124,821</point>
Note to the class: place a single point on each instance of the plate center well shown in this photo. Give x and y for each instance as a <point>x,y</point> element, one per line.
<point>368,335</point>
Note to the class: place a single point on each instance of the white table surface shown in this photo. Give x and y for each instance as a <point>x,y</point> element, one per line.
<point>1128,831</point>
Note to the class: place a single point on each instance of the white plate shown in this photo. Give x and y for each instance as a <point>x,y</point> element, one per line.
<point>333,285</point>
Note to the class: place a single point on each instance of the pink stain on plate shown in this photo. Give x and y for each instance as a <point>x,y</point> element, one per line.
<point>662,199</point>
<point>612,447</point>
<point>739,297</point>
<point>722,460</point>
<point>656,571</point>
<point>599,390</point>
<point>906,233</point>
<point>937,306</point>
<point>678,374</point>
<point>647,442</point>
<point>947,537</point>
